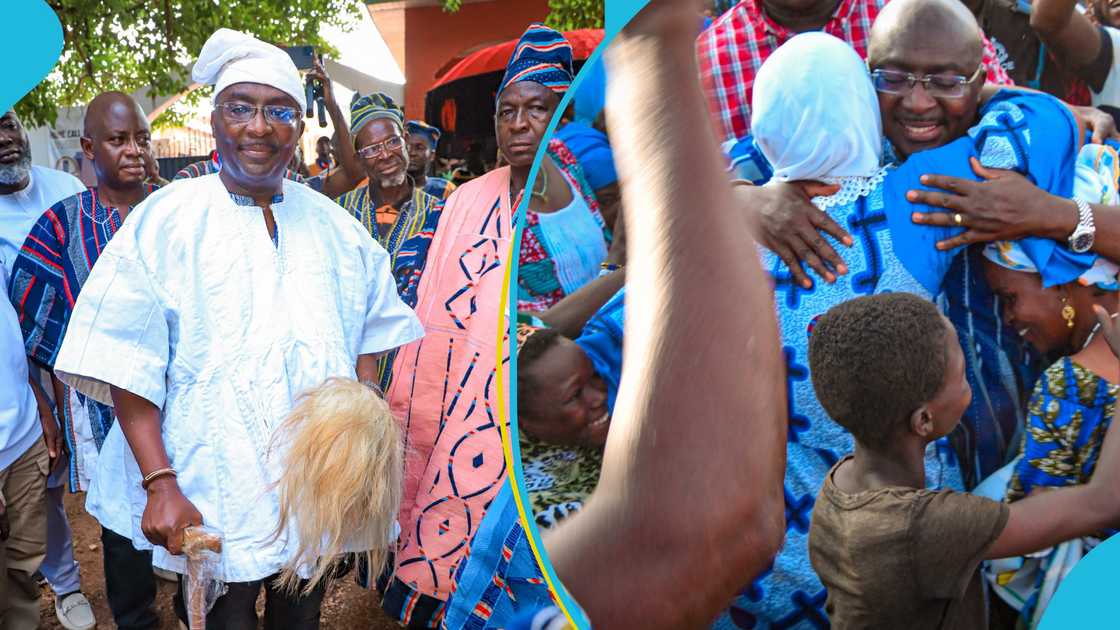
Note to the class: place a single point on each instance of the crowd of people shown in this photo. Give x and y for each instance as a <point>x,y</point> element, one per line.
<point>175,348</point>
<point>874,149</point>
<point>819,363</point>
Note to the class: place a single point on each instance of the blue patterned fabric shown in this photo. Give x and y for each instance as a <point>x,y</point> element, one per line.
<point>439,188</point>
<point>789,595</point>
<point>47,277</point>
<point>1067,419</point>
<point>601,340</point>
<point>476,594</point>
<point>998,367</point>
<point>499,578</point>
<point>542,56</point>
<point>894,254</point>
<point>406,240</point>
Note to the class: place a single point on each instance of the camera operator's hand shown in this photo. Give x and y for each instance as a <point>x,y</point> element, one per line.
<point>350,171</point>
<point>319,73</point>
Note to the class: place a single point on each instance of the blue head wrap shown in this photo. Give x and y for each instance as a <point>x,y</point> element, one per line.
<point>593,151</point>
<point>591,96</point>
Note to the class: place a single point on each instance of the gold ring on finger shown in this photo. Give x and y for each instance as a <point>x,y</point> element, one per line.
<point>958,218</point>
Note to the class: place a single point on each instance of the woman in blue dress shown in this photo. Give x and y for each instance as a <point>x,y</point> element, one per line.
<point>1071,407</point>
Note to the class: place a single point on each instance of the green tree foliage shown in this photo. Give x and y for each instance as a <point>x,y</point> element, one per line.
<point>130,44</point>
<point>564,15</point>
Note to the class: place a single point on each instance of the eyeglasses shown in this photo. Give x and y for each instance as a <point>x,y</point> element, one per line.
<point>936,85</point>
<point>241,113</point>
<point>387,147</point>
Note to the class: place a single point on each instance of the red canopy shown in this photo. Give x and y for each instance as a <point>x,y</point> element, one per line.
<point>495,58</point>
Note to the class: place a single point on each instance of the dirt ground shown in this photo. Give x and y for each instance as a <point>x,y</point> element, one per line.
<point>347,606</point>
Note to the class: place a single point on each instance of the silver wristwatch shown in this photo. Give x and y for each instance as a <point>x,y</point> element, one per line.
<point>1081,240</point>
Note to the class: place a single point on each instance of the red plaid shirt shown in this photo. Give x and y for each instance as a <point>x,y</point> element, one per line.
<point>733,48</point>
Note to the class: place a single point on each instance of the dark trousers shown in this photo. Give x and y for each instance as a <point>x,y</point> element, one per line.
<point>237,609</point>
<point>130,586</point>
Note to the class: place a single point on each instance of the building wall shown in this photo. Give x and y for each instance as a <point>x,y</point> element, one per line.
<point>433,37</point>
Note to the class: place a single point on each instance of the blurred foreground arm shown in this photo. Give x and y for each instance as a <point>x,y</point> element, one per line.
<point>691,486</point>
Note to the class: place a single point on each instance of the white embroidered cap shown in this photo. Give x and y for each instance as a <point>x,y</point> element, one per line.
<point>231,56</point>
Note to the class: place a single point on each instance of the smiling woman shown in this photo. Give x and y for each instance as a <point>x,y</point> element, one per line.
<point>562,400</point>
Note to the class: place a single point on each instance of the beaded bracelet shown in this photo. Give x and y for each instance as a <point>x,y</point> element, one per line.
<point>606,266</point>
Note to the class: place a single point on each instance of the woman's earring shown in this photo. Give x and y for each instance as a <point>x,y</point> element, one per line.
<point>1068,313</point>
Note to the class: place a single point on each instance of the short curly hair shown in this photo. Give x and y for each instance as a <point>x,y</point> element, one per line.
<point>874,360</point>
<point>535,346</point>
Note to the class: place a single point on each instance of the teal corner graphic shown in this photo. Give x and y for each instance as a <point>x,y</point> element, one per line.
<point>1086,599</point>
<point>36,43</point>
<point>618,13</point>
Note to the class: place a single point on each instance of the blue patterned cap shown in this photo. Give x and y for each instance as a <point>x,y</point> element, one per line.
<point>542,56</point>
<point>364,109</point>
<point>417,127</point>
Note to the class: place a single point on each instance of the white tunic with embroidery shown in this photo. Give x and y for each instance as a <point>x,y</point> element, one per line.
<point>194,307</point>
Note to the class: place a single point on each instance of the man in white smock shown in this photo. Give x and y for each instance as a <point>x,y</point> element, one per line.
<point>218,302</point>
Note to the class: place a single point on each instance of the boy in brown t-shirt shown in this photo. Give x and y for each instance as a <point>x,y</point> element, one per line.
<point>889,369</point>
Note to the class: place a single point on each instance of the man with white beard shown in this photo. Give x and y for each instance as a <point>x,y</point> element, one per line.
<point>399,216</point>
<point>390,200</point>
<point>25,192</point>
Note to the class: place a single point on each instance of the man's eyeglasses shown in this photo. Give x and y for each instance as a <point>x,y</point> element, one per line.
<point>387,147</point>
<point>936,85</point>
<point>241,113</point>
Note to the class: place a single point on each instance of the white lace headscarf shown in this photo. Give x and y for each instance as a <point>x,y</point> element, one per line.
<point>815,114</point>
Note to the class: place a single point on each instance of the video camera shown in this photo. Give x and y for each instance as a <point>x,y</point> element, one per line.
<point>304,58</point>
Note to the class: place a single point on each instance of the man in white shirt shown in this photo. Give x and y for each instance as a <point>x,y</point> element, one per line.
<point>216,304</point>
<point>26,191</point>
<point>1084,43</point>
<point>23,479</point>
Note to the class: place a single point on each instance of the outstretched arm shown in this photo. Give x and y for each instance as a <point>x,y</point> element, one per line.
<point>691,487</point>
<point>572,313</point>
<point>338,181</point>
<point>1071,37</point>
